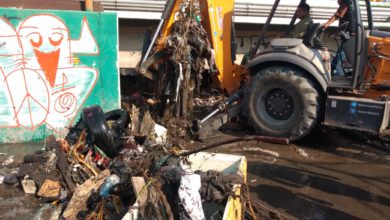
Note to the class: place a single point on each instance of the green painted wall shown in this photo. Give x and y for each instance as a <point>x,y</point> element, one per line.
<point>52,64</point>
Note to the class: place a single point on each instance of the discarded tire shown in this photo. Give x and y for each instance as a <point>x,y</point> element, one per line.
<point>104,137</point>
<point>281,102</point>
<point>74,132</point>
<point>120,119</point>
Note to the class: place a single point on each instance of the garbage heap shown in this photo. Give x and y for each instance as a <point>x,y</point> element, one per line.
<point>186,66</point>
<point>105,169</point>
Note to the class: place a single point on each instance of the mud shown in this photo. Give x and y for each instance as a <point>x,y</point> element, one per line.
<point>13,201</point>
<point>341,179</point>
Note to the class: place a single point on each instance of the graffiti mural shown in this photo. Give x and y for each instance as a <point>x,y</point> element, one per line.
<point>42,81</point>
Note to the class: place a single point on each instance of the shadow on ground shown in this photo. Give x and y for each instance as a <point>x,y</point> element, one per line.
<point>345,144</point>
<point>299,205</point>
<point>299,178</point>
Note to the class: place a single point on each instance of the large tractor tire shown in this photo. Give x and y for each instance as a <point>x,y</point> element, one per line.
<point>282,102</point>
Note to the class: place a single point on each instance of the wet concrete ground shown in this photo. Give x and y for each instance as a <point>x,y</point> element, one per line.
<point>339,178</point>
<point>14,204</point>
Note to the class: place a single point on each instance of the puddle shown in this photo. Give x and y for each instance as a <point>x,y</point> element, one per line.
<point>18,150</point>
<point>21,207</point>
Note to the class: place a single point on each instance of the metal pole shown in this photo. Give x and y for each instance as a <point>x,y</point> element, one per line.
<point>166,14</point>
<point>216,111</point>
<point>237,95</point>
<point>265,28</point>
<point>156,33</point>
<point>89,5</point>
<point>294,18</point>
<point>196,124</point>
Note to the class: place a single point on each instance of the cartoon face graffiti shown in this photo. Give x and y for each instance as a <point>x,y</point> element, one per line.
<point>44,87</point>
<point>11,56</point>
<point>46,44</point>
<point>18,103</point>
<point>30,104</point>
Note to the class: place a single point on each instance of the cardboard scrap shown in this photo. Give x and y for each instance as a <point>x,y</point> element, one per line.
<point>50,189</point>
<point>29,186</point>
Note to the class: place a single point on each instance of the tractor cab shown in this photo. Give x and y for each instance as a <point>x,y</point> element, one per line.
<point>338,55</point>
<point>337,77</point>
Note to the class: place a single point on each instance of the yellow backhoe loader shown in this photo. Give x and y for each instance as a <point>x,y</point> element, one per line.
<point>292,86</point>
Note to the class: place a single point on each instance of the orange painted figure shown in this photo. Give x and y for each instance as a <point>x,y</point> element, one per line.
<point>44,86</point>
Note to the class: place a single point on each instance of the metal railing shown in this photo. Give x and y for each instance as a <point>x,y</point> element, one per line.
<point>381,12</point>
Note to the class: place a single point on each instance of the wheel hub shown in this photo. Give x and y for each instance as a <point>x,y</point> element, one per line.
<point>279,104</point>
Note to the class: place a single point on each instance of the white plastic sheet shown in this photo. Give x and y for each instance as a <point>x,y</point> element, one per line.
<point>190,198</point>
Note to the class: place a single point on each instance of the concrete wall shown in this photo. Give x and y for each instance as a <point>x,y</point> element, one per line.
<point>52,64</point>
<point>131,34</point>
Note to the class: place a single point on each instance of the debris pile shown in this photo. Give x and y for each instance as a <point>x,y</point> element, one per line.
<point>101,170</point>
<point>187,64</point>
<point>113,166</point>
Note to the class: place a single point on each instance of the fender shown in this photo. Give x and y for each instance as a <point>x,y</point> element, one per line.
<point>294,60</point>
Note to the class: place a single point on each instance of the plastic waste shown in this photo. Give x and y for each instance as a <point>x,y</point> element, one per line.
<point>63,195</point>
<point>190,198</point>
<point>10,179</point>
<point>109,185</point>
<point>8,161</point>
<point>160,134</point>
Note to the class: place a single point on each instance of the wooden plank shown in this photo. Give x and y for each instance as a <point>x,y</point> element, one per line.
<point>63,165</point>
<point>138,184</point>
<point>82,193</point>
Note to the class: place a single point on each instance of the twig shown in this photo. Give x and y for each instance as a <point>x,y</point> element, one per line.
<point>164,201</point>
<point>142,190</point>
<point>75,154</point>
<point>252,212</point>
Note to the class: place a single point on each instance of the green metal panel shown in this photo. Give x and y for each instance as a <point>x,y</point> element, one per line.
<point>52,64</point>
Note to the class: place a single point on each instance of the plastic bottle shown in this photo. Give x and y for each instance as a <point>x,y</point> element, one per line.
<point>109,185</point>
